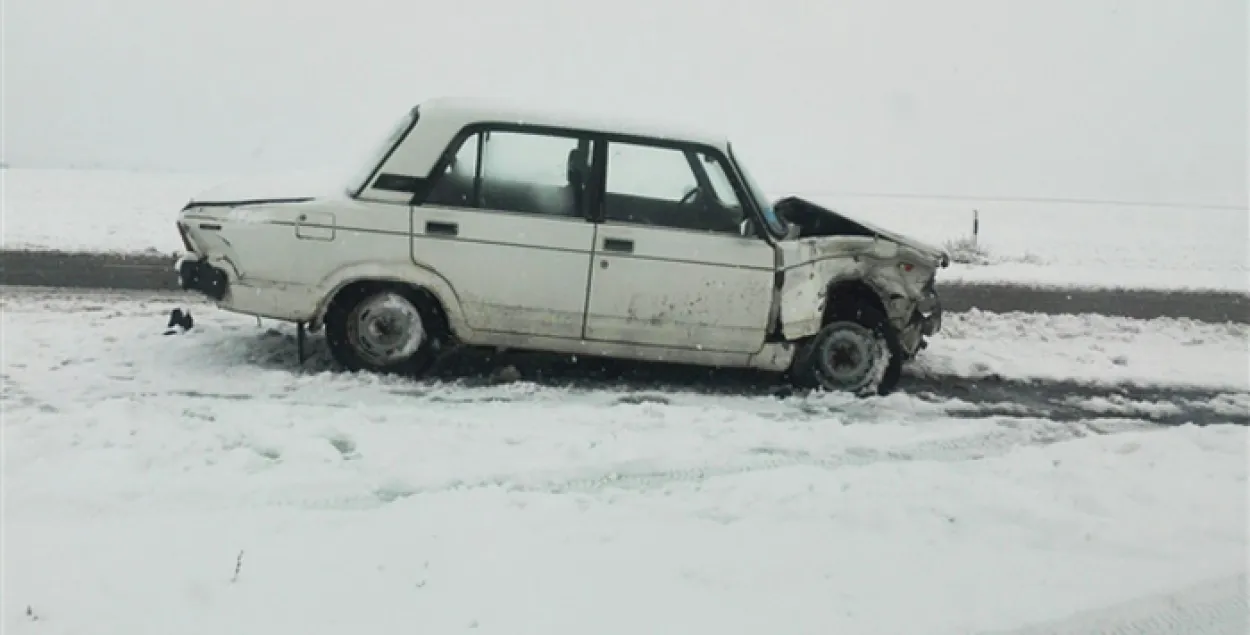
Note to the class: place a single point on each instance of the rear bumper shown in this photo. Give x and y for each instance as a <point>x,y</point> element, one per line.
<point>289,302</point>
<point>197,275</point>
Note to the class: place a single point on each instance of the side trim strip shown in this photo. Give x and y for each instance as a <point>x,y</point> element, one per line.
<point>253,201</point>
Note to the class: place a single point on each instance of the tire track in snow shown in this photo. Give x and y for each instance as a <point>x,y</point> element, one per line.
<point>12,395</point>
<point>1216,607</point>
<point>1009,435</point>
<point>1075,401</point>
<point>981,397</point>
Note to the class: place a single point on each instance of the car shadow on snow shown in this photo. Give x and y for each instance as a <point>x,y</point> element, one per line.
<point>992,396</point>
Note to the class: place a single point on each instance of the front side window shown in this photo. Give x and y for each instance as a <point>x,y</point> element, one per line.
<point>669,187</point>
<point>776,225</point>
<point>521,172</point>
<point>649,172</point>
<point>722,188</point>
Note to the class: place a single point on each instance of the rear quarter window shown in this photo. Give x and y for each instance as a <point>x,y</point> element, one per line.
<point>379,152</point>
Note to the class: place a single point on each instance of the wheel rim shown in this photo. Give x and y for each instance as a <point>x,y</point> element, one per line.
<point>848,356</point>
<point>385,329</point>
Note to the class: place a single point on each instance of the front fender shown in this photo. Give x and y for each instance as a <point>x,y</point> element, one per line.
<point>403,272</point>
<point>805,292</point>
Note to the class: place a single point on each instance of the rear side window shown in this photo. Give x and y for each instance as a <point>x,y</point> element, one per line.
<point>519,172</point>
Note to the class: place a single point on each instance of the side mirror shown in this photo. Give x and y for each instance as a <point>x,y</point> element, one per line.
<point>792,231</point>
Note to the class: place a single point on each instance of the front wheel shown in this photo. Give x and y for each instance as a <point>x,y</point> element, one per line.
<point>856,352</point>
<point>381,330</point>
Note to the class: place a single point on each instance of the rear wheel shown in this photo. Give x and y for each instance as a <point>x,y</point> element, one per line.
<point>387,329</point>
<point>856,351</point>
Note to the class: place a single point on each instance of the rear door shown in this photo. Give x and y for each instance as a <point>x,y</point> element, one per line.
<point>504,223</point>
<point>671,266</point>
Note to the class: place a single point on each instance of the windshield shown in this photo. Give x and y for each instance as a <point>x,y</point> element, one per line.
<point>774,222</point>
<point>370,161</point>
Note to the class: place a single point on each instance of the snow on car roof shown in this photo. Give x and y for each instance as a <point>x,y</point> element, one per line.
<point>454,113</point>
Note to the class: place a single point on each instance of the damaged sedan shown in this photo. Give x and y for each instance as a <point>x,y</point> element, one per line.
<point>478,224</point>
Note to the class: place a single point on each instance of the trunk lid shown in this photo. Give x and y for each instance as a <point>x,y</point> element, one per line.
<point>285,187</point>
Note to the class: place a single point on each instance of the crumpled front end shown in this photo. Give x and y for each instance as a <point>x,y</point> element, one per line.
<point>909,294</point>
<point>925,320</point>
<point>824,270</point>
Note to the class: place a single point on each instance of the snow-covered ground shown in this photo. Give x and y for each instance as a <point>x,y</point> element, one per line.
<point>1092,349</point>
<point>198,483</point>
<point>1054,244</point>
<point>1100,245</point>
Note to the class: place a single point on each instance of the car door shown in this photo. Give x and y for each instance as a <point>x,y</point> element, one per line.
<point>504,223</point>
<point>671,267</point>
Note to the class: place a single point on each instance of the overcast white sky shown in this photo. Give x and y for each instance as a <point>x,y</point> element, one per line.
<point>1140,100</point>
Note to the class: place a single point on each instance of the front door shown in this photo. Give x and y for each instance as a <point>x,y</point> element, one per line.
<point>504,224</point>
<point>670,264</point>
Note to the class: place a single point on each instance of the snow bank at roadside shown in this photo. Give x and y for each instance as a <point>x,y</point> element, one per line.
<point>1090,348</point>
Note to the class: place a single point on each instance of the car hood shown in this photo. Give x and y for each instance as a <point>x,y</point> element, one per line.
<point>817,220</point>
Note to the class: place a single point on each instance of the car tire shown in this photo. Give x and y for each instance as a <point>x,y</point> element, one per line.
<point>856,351</point>
<point>383,329</point>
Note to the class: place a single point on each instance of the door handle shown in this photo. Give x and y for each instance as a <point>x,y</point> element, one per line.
<point>444,229</point>
<point>617,244</point>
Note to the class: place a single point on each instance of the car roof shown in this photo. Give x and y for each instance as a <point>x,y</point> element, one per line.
<point>454,113</point>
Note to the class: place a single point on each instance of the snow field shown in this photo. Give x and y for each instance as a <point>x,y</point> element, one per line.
<point>1102,245</point>
<point>1217,607</point>
<point>1046,244</point>
<point>138,467</point>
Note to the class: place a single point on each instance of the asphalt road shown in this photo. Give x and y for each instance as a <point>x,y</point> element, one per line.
<point>156,273</point>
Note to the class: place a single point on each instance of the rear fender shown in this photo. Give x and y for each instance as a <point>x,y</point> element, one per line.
<point>402,272</point>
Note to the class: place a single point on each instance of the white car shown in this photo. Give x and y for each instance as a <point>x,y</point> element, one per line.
<point>483,225</point>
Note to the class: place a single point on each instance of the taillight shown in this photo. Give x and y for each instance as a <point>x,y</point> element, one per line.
<point>182,232</point>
